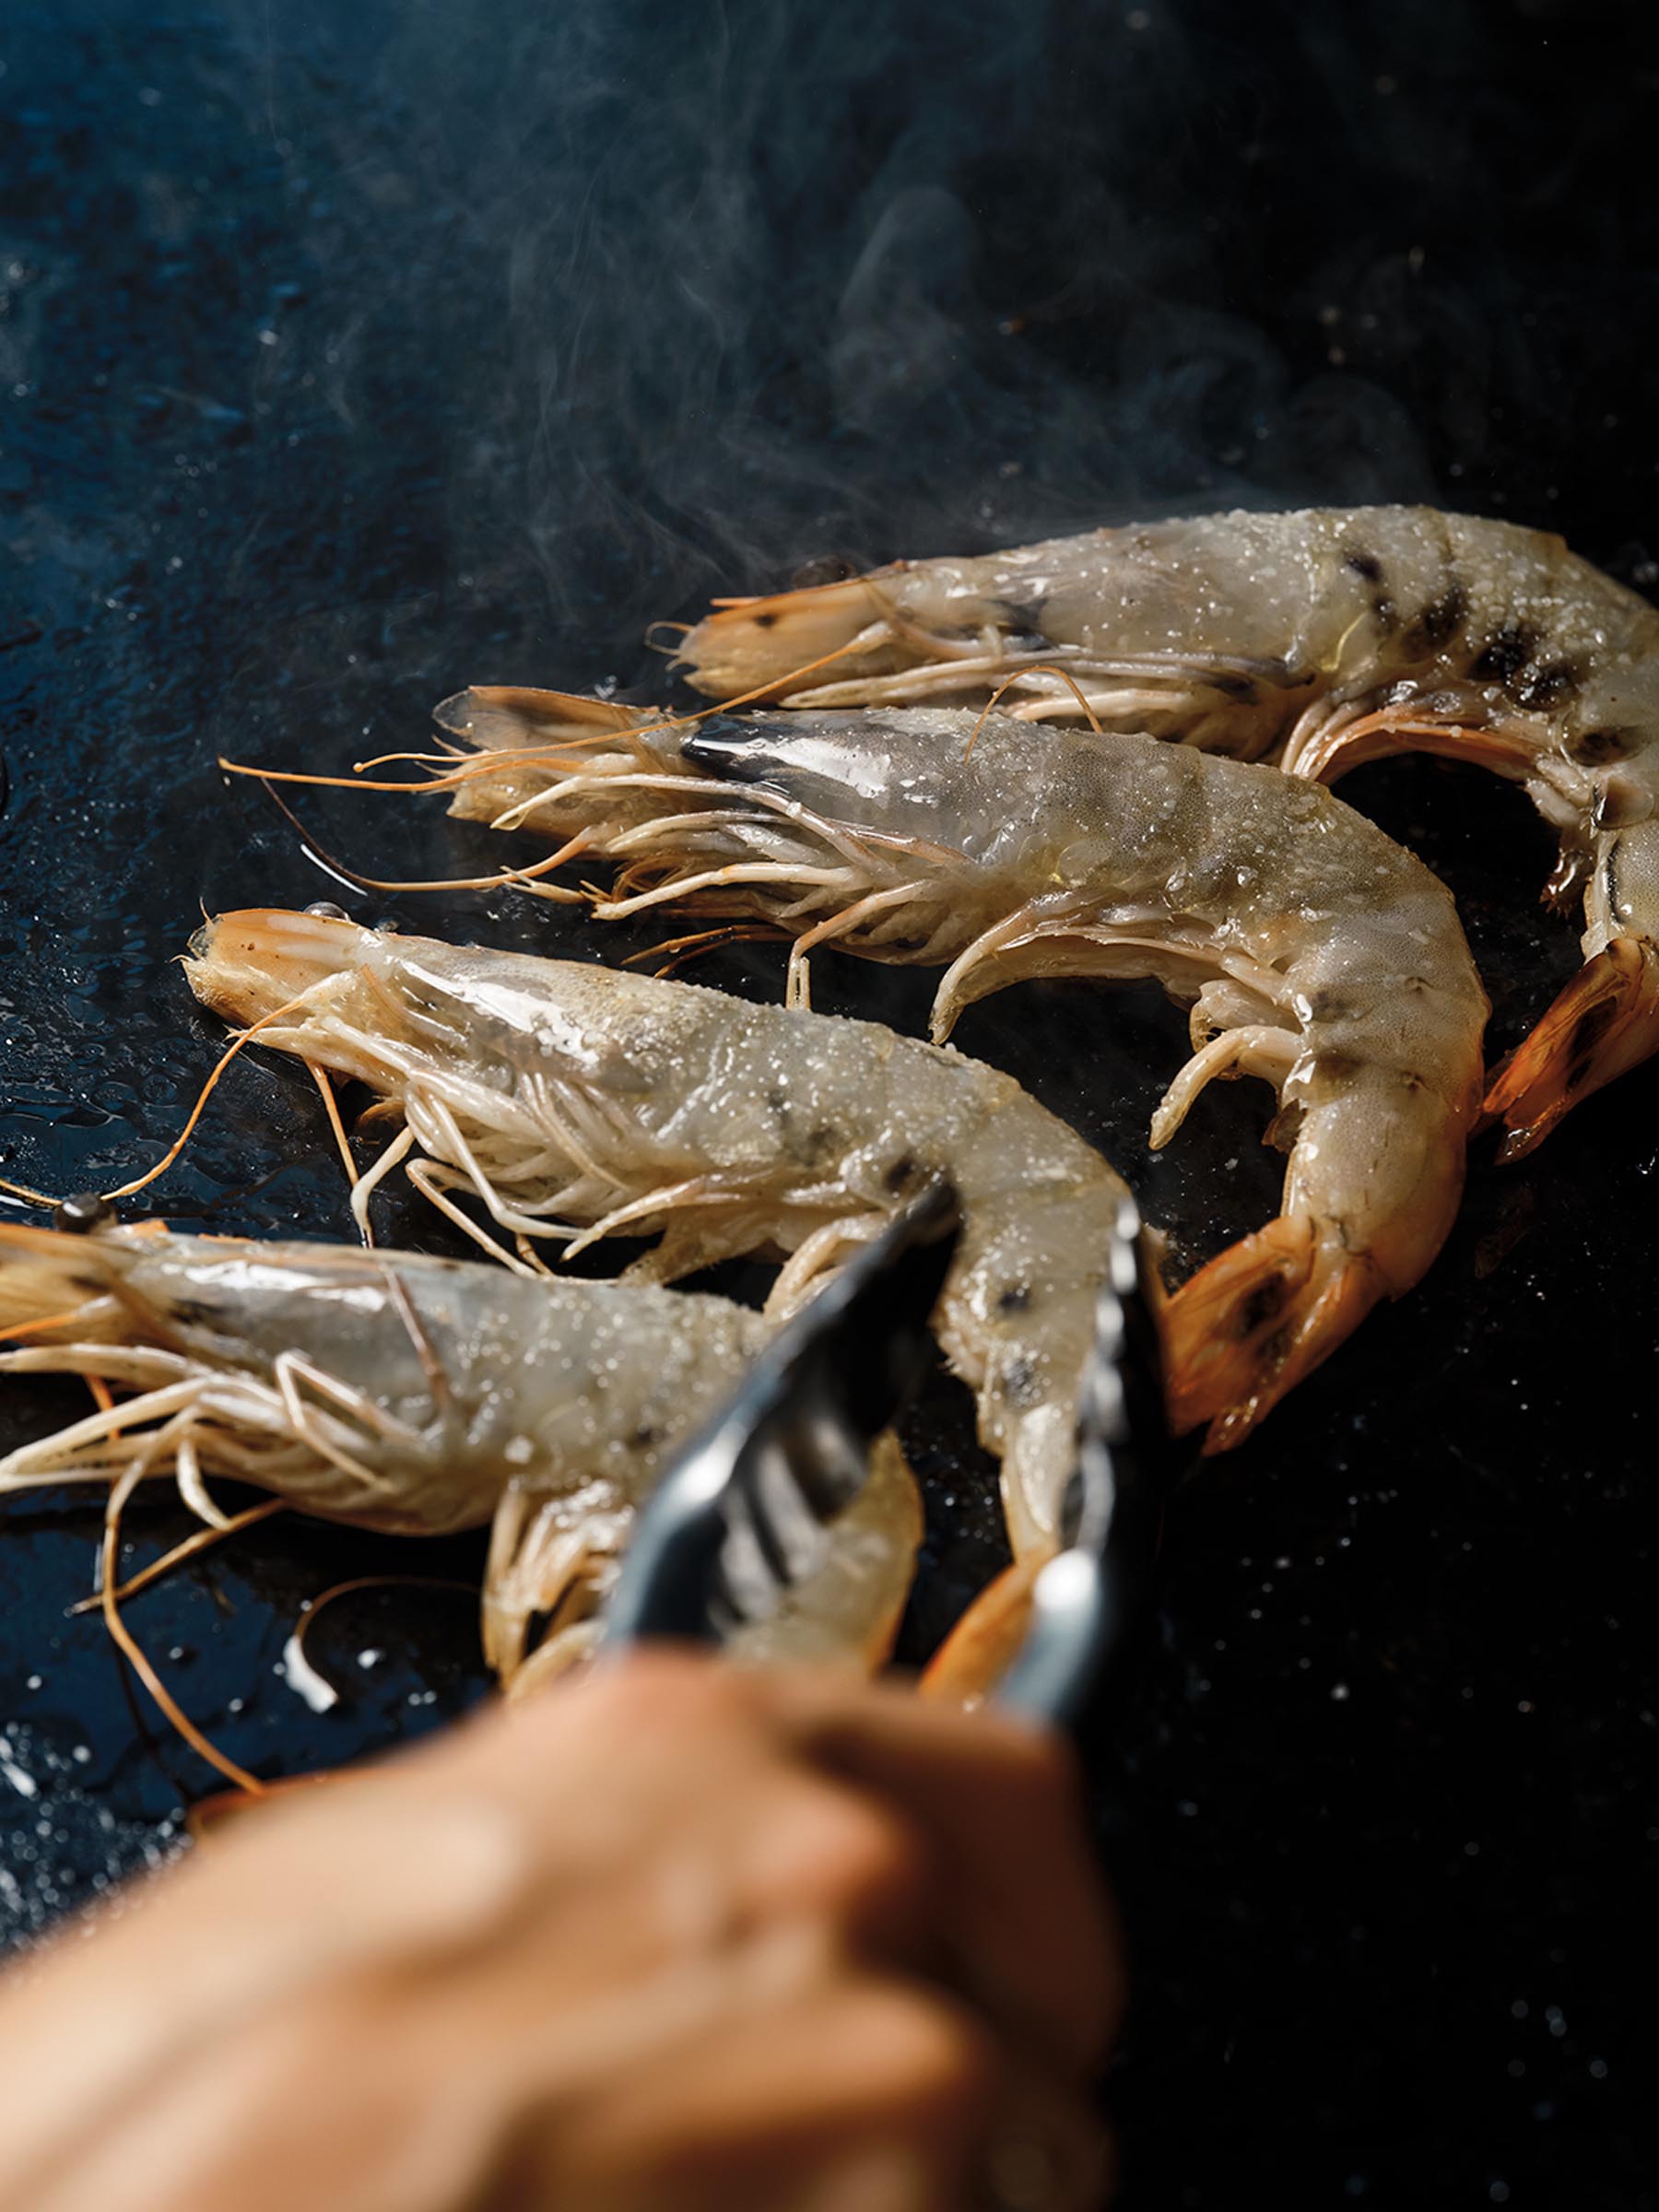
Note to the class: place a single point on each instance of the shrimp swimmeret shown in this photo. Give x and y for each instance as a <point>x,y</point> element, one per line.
<point>579,1101</point>
<point>1314,951</point>
<point>458,1394</point>
<point>1324,639</point>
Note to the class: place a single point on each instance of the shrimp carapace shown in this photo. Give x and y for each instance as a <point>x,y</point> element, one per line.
<point>419,1396</point>
<point>577,1102</point>
<point>1320,638</point>
<point>1313,950</point>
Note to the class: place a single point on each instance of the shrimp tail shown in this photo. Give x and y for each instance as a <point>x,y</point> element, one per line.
<point>982,1647</point>
<point>1250,1325</point>
<point>1603,1023</point>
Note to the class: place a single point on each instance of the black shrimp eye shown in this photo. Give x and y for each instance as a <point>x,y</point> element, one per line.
<point>727,745</point>
<point>82,1213</point>
<point>827,568</point>
<point>327,910</point>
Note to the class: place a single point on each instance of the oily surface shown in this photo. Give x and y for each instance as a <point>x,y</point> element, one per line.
<point>350,355</point>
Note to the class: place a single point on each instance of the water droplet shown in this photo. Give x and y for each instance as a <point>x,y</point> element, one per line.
<point>303,1679</point>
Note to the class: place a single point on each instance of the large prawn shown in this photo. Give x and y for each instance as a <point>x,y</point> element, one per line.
<point>577,1102</point>
<point>419,1396</point>
<point>1322,638</point>
<point>1313,950</point>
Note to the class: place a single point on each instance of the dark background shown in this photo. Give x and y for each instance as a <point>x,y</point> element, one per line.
<point>350,353</point>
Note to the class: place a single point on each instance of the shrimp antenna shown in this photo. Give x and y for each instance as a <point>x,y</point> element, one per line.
<point>127,1190</point>
<point>517,878</point>
<point>314,1605</point>
<point>297,775</point>
<point>449,781</point>
<point>743,699</point>
<point>683,951</point>
<point>203,1540</point>
<point>1020,674</point>
<point>488,761</point>
<point>330,1107</point>
<point>43,1326</point>
<point>667,720</point>
<point>133,1652</point>
<point>21,1194</point>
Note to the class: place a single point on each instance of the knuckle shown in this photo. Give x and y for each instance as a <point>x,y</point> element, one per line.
<point>1040,1791</point>
<point>670,1689</point>
<point>1036,1762</point>
<point>865,1861</point>
<point>936,2057</point>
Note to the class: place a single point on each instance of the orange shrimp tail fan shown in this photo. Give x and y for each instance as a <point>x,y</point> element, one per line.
<point>1250,1325</point>
<point>1603,1023</point>
<point>979,1651</point>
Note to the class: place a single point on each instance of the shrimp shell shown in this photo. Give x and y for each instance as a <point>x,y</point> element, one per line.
<point>420,1396</point>
<point>577,1102</point>
<point>1313,950</point>
<point>1320,638</point>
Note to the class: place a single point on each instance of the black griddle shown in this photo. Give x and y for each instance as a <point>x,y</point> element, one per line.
<point>348,354</point>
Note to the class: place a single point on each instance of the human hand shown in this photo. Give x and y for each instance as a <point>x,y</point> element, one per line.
<point>668,1938</point>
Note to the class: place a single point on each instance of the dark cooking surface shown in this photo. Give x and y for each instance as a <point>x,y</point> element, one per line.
<point>349,353</point>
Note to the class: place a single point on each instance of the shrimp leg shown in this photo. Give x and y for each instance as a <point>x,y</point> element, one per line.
<point>459,1393</point>
<point>590,1101</point>
<point>1314,953</point>
<point>1322,638</point>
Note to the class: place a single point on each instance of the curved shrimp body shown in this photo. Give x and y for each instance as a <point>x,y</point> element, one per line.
<point>1314,951</point>
<point>400,1393</point>
<point>577,1102</point>
<point>1323,639</point>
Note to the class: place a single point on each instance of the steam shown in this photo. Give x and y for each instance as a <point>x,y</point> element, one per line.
<point>688,293</point>
<point>746,286</point>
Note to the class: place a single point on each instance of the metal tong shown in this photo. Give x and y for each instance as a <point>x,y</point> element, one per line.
<point>746,1510</point>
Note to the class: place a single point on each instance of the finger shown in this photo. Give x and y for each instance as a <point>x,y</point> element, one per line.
<point>197,1951</point>
<point>813,1846</point>
<point>773,2107</point>
<point>757,1832</point>
<point>591,1760</point>
<point>1046,2148</point>
<point>991,1807</point>
<point>1000,1804</point>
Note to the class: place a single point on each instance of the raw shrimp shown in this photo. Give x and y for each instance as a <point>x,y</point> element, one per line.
<point>419,1396</point>
<point>1314,952</point>
<point>1323,639</point>
<point>577,1102</point>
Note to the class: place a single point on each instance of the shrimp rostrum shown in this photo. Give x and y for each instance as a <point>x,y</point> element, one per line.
<point>1313,950</point>
<point>1320,638</point>
<point>418,1396</point>
<point>577,1102</point>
